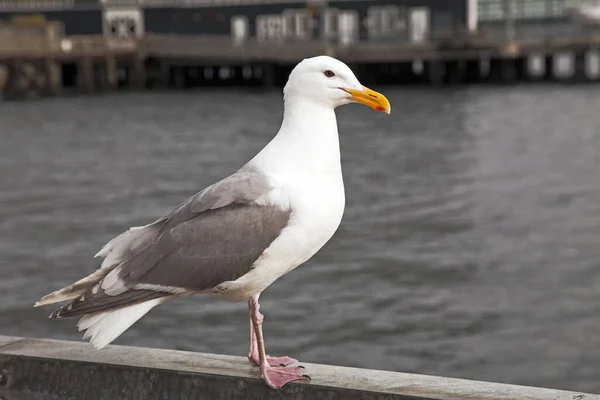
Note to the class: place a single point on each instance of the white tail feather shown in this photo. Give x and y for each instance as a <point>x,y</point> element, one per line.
<point>90,319</point>
<point>104,327</point>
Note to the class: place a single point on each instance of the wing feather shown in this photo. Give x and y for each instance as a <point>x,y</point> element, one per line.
<point>213,237</point>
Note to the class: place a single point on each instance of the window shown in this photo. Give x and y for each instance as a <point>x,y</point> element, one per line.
<point>534,9</point>
<point>495,10</point>
<point>269,27</point>
<point>297,24</point>
<point>330,23</point>
<point>491,10</point>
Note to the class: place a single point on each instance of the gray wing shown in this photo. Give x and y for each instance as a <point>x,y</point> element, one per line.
<point>213,237</point>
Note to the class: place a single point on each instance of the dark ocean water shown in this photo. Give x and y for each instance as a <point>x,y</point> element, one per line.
<point>470,245</point>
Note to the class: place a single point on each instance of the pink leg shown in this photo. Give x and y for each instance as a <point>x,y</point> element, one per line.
<point>253,353</point>
<point>274,377</point>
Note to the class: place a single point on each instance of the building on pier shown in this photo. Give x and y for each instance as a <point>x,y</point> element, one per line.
<point>345,21</point>
<point>517,19</point>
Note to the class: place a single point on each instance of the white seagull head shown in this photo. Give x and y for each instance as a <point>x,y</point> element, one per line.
<point>327,80</point>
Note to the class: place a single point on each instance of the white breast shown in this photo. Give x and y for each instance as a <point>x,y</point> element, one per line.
<point>317,208</point>
<point>303,162</point>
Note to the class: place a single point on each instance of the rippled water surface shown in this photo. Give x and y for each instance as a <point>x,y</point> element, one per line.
<point>470,245</point>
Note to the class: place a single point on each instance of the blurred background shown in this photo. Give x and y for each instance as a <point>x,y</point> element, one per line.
<point>470,243</point>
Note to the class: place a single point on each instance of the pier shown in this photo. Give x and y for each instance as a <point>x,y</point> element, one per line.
<point>44,369</point>
<point>44,62</point>
<point>133,46</point>
<point>41,60</point>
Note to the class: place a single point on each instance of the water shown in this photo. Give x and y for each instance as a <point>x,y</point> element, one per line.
<point>469,247</point>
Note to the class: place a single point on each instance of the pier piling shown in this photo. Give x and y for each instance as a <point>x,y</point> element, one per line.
<point>85,75</point>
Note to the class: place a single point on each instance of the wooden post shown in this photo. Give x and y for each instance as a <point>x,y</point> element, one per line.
<point>509,70</point>
<point>591,64</point>
<point>437,72</point>
<point>455,71</point>
<point>85,74</point>
<point>17,84</point>
<point>110,72</point>
<point>473,71</point>
<point>579,73</point>
<point>138,72</point>
<point>534,67</point>
<point>3,77</point>
<point>38,77</point>
<point>53,77</point>
<point>269,78</point>
<point>165,74</point>
<point>179,81</point>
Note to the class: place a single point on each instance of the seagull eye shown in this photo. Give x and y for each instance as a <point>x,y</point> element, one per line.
<point>329,73</point>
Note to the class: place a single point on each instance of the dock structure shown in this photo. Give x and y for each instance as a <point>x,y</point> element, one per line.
<point>33,59</point>
<point>111,44</point>
<point>45,369</point>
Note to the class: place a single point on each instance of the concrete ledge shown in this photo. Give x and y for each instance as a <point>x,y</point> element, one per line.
<point>41,369</point>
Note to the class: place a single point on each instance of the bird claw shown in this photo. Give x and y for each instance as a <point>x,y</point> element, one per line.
<point>281,361</point>
<point>274,361</point>
<point>277,377</point>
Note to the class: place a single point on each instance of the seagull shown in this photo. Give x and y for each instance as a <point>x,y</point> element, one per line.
<point>236,237</point>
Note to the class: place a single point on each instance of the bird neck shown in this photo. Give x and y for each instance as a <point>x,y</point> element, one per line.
<point>307,141</point>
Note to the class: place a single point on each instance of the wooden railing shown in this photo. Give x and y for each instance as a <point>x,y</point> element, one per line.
<point>74,370</point>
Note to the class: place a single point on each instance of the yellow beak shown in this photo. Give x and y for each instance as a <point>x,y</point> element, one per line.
<point>370,98</point>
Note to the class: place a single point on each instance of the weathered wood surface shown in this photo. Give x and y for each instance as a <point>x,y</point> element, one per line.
<point>41,369</point>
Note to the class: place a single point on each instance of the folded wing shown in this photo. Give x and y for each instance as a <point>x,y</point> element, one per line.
<point>213,237</point>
